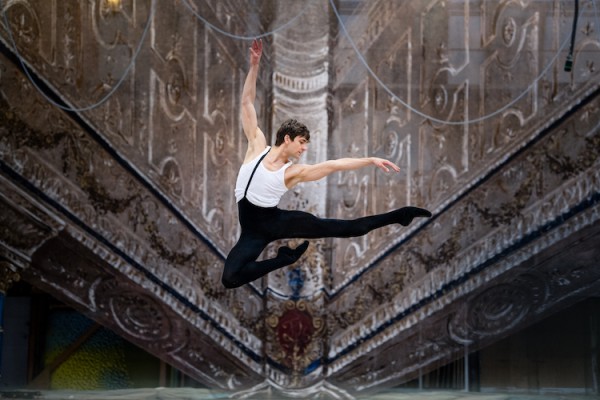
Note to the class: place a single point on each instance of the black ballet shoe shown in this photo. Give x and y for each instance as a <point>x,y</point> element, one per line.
<point>405,215</point>
<point>292,255</point>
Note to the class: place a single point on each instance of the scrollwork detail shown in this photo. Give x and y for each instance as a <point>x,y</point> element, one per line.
<point>137,314</point>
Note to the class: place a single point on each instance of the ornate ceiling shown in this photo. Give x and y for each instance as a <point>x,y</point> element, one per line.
<point>121,202</point>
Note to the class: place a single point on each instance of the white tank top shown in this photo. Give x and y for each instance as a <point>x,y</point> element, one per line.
<point>266,187</point>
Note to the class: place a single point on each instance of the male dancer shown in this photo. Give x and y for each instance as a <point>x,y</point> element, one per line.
<point>267,173</point>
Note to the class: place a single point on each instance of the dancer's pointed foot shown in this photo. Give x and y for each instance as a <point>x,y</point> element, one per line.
<point>405,215</point>
<point>292,255</point>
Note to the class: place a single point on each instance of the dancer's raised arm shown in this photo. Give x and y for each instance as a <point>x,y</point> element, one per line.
<point>256,138</point>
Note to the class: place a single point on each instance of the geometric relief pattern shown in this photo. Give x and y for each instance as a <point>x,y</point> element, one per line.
<point>504,274</point>
<point>175,110</point>
<point>500,294</point>
<point>449,62</point>
<point>444,94</point>
<point>124,225</point>
<point>220,138</point>
<point>350,192</point>
<point>510,31</point>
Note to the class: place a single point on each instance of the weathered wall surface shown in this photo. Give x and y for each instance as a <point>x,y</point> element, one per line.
<point>126,209</point>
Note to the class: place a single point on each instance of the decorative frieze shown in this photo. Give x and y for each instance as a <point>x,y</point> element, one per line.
<point>497,229</point>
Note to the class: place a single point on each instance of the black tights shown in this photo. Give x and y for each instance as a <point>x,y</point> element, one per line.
<point>261,226</point>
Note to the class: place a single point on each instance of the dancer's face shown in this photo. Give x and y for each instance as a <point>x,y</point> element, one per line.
<point>297,146</point>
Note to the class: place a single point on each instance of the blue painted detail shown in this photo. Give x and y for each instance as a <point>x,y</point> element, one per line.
<point>312,366</point>
<point>296,278</point>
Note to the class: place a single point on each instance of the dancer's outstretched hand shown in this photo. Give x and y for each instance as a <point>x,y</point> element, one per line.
<point>385,165</point>
<point>256,51</point>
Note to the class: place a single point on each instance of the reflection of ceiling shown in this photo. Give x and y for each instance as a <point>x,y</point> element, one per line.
<point>125,210</point>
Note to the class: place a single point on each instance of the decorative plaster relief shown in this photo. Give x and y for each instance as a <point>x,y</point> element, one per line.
<point>506,222</point>
<point>142,312</point>
<point>114,208</point>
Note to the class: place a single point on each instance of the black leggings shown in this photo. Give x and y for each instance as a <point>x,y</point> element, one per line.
<point>261,226</point>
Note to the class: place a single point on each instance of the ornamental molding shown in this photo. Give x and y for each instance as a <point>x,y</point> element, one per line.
<point>556,185</point>
<point>118,223</point>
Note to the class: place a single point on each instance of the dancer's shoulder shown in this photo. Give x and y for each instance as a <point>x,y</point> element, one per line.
<point>254,152</point>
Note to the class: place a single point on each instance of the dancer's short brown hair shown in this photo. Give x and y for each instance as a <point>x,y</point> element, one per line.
<point>292,128</point>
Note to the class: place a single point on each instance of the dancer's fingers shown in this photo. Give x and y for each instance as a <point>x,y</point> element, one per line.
<point>386,165</point>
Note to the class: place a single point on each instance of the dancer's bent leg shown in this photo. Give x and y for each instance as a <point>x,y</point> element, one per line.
<point>241,266</point>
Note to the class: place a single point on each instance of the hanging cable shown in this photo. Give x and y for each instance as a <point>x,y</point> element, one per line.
<point>109,94</point>
<point>569,61</point>
<point>238,37</point>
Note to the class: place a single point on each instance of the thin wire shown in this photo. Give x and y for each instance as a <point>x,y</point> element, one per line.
<point>110,93</point>
<point>238,37</point>
<point>427,116</point>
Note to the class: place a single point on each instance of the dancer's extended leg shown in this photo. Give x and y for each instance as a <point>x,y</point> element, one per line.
<point>299,224</point>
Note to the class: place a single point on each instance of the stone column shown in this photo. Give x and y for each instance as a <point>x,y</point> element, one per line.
<point>294,303</point>
<point>300,56</point>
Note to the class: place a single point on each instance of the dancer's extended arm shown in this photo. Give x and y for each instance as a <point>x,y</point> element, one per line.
<point>305,173</point>
<point>256,138</point>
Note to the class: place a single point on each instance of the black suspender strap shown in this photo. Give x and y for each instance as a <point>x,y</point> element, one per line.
<point>254,170</point>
